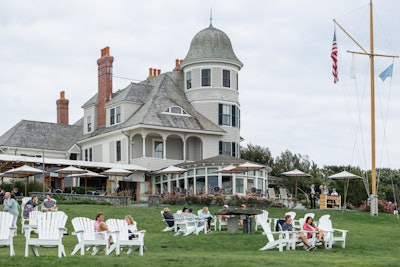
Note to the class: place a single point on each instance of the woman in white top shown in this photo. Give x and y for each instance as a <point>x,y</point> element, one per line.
<point>132,229</point>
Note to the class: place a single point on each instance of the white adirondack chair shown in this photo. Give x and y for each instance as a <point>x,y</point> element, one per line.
<point>23,220</point>
<point>32,221</point>
<point>7,232</point>
<point>88,237</point>
<point>183,226</point>
<point>50,230</point>
<point>213,223</point>
<point>331,234</point>
<point>167,228</point>
<point>271,193</point>
<point>221,222</point>
<point>198,223</point>
<point>120,236</point>
<point>261,217</point>
<point>282,240</point>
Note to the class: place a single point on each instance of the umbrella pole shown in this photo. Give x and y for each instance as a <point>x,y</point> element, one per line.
<point>295,190</point>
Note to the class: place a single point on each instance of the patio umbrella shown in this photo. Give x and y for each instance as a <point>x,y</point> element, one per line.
<point>248,166</point>
<point>296,174</point>
<point>86,175</point>
<point>172,170</point>
<point>24,171</point>
<point>116,172</point>
<point>71,170</point>
<point>341,176</point>
<point>229,169</point>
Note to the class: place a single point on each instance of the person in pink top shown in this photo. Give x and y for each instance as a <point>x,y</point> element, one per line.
<point>310,227</point>
<point>99,224</point>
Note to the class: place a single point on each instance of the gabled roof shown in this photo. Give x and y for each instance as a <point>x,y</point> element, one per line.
<point>156,95</point>
<point>38,135</point>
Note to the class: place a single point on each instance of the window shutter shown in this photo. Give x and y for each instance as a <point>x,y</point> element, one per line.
<point>233,149</point>
<point>219,114</point>
<point>233,116</point>
<point>220,147</point>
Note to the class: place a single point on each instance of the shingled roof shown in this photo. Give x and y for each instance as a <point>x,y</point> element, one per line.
<point>38,135</point>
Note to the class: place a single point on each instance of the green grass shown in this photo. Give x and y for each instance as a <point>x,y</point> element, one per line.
<point>371,241</point>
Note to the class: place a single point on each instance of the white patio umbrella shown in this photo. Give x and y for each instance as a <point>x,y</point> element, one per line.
<point>23,171</point>
<point>172,170</point>
<point>296,174</point>
<point>248,166</point>
<point>116,172</point>
<point>229,169</point>
<point>341,176</point>
<point>71,170</point>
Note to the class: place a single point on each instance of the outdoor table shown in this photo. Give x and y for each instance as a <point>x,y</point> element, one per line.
<point>233,221</point>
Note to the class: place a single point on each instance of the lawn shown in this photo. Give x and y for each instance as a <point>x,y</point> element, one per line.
<point>371,241</point>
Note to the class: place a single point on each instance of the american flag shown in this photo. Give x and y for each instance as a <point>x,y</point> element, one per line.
<point>334,59</point>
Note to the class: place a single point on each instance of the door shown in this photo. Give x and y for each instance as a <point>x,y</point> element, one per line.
<point>144,191</point>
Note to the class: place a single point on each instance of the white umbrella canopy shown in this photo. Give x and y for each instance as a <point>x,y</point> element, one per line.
<point>23,171</point>
<point>295,173</point>
<point>116,172</point>
<point>172,170</point>
<point>229,169</point>
<point>342,176</point>
<point>71,170</point>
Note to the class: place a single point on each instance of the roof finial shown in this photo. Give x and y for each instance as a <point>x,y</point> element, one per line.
<point>210,17</point>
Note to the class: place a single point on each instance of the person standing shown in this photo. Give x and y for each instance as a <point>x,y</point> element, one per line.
<point>11,205</point>
<point>313,196</point>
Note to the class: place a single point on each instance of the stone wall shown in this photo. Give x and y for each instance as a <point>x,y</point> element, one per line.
<point>114,200</point>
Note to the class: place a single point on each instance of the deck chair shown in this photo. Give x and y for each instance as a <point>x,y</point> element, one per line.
<point>271,193</point>
<point>120,237</point>
<point>24,217</point>
<point>199,224</point>
<point>50,230</point>
<point>167,228</point>
<point>32,221</point>
<point>332,235</point>
<point>272,243</point>
<point>7,232</point>
<point>183,226</point>
<point>283,194</point>
<point>221,222</point>
<point>261,217</point>
<point>88,238</point>
<point>213,223</point>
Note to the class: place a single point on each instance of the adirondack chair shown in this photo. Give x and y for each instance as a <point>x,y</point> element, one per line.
<point>183,226</point>
<point>198,223</point>
<point>261,217</point>
<point>221,222</point>
<point>32,221</point>
<point>88,237</point>
<point>7,232</point>
<point>167,228</point>
<point>282,240</point>
<point>331,234</point>
<point>213,222</point>
<point>23,219</point>
<point>50,230</point>
<point>271,193</point>
<point>120,236</point>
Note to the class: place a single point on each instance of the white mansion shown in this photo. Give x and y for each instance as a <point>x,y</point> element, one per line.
<point>188,117</point>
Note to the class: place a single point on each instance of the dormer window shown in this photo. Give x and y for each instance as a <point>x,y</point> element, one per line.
<point>115,115</point>
<point>176,111</point>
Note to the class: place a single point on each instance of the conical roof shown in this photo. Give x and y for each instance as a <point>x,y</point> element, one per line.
<point>211,44</point>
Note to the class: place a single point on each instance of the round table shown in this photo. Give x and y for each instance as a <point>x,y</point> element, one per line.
<point>233,221</point>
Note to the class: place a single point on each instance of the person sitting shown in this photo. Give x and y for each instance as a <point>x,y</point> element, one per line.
<point>334,193</point>
<point>287,226</point>
<point>49,204</point>
<point>243,206</point>
<point>169,219</point>
<point>30,206</point>
<point>310,227</point>
<point>132,229</point>
<point>206,215</point>
<point>16,192</point>
<point>224,217</point>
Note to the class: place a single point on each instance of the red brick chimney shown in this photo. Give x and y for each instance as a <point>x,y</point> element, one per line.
<point>62,109</point>
<point>104,64</point>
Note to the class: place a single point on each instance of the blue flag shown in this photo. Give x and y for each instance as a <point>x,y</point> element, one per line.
<point>387,72</point>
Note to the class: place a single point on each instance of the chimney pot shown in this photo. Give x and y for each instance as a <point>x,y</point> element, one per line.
<point>158,72</point>
<point>150,72</point>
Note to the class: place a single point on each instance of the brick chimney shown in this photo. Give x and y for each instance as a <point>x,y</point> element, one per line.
<point>104,64</point>
<point>62,109</point>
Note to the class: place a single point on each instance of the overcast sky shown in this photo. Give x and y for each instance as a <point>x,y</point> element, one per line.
<point>287,95</point>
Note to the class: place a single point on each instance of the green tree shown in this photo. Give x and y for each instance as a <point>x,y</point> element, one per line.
<point>257,154</point>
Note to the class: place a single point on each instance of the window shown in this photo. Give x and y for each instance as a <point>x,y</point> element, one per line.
<point>118,150</point>
<point>206,77</point>
<point>89,123</point>
<point>118,114</point>
<point>158,149</point>
<point>88,154</point>
<point>228,115</point>
<point>188,80</point>
<point>226,78</point>
<point>176,110</point>
<point>227,148</point>
<point>112,116</point>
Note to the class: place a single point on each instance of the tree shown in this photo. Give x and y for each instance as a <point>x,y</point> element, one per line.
<point>259,154</point>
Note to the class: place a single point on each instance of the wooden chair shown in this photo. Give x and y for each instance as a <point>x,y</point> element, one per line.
<point>120,236</point>
<point>50,230</point>
<point>261,217</point>
<point>213,223</point>
<point>7,232</point>
<point>271,193</point>
<point>183,227</point>
<point>88,237</point>
<point>167,228</point>
<point>23,218</point>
